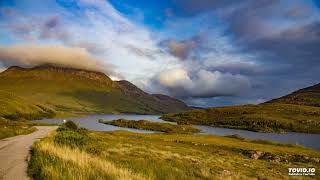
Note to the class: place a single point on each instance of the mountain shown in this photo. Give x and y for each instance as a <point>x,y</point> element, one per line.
<point>297,112</point>
<point>82,91</point>
<point>309,96</point>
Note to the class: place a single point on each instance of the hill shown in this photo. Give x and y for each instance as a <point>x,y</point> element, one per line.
<point>80,91</point>
<point>309,96</point>
<point>297,112</point>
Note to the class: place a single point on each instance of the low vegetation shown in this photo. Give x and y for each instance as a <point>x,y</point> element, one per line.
<point>268,117</point>
<point>73,153</point>
<point>69,154</point>
<point>10,128</point>
<point>309,96</point>
<point>153,126</point>
<point>14,107</point>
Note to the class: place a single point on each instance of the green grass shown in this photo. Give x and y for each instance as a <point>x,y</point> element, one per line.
<point>153,126</point>
<point>77,154</point>
<point>10,128</point>
<point>69,91</point>
<point>268,117</point>
<point>17,108</point>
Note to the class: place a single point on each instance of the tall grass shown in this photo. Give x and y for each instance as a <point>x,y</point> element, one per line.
<point>63,156</point>
<point>63,162</point>
<point>73,153</point>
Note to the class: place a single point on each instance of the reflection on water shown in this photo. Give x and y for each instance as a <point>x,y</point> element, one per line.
<point>91,122</point>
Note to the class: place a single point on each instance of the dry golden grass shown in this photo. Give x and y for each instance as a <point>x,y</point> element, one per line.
<point>76,154</point>
<point>84,163</point>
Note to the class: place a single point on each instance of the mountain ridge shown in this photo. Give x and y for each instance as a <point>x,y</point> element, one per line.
<point>85,91</point>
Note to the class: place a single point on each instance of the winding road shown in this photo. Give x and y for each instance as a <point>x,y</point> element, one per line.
<point>14,152</point>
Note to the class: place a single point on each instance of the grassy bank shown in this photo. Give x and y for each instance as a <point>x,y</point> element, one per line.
<point>79,154</point>
<point>153,126</point>
<point>10,128</point>
<point>269,117</point>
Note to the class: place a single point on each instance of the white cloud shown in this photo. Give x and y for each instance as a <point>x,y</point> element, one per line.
<point>177,82</point>
<point>33,55</point>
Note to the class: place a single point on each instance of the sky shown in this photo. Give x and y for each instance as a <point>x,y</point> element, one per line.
<point>204,52</point>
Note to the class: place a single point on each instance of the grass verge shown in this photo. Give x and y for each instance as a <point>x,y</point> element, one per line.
<point>10,128</point>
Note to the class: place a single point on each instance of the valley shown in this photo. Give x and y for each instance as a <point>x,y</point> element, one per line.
<point>129,141</point>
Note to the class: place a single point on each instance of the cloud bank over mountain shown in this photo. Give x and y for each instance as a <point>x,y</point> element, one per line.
<point>29,55</point>
<point>205,52</point>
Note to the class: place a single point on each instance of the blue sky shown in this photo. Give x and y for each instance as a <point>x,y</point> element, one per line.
<point>205,52</point>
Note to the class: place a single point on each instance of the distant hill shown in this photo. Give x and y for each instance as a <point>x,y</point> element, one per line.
<point>309,96</point>
<point>297,112</point>
<point>82,91</point>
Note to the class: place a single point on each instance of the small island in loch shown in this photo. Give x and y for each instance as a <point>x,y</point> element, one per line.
<point>152,126</point>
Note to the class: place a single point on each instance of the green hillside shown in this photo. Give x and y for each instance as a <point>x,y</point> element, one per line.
<point>297,112</point>
<point>14,107</point>
<point>309,96</point>
<point>78,91</point>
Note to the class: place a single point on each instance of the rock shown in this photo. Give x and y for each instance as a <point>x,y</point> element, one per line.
<point>256,154</point>
<point>317,160</point>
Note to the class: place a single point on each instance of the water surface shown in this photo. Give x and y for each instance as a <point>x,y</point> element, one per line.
<point>91,122</point>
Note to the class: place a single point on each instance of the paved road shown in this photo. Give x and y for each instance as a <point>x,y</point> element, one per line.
<point>14,152</point>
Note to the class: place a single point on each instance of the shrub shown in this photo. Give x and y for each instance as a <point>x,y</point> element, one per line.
<point>83,131</point>
<point>70,125</point>
<point>71,138</point>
